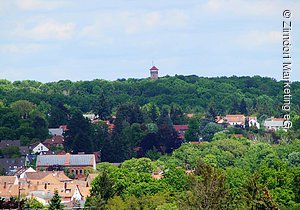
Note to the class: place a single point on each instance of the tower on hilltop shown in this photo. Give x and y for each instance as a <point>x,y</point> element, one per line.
<point>154,73</point>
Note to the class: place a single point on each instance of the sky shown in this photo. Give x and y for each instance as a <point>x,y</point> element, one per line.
<point>52,40</point>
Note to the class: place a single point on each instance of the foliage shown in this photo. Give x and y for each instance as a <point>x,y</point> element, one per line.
<point>11,152</point>
<point>209,130</point>
<point>192,134</point>
<point>207,189</point>
<point>139,165</point>
<point>33,203</point>
<point>55,202</point>
<point>102,189</point>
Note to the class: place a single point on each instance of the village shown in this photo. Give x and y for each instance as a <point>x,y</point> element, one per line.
<point>44,167</point>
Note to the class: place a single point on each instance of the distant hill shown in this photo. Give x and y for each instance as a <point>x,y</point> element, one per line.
<point>194,94</point>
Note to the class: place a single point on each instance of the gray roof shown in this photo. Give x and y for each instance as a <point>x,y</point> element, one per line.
<point>273,123</point>
<point>42,194</point>
<point>56,131</point>
<point>10,165</point>
<point>24,150</point>
<point>9,143</point>
<point>45,160</point>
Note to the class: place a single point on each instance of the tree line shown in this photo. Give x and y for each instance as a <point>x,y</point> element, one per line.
<point>228,173</point>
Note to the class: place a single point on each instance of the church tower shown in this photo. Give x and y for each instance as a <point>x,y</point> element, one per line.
<point>154,73</point>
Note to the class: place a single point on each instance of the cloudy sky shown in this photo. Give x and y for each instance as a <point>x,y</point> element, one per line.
<point>51,40</point>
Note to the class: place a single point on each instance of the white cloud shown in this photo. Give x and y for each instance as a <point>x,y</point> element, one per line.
<point>21,48</point>
<point>39,4</point>
<point>47,29</point>
<point>259,38</point>
<point>134,22</point>
<point>242,7</point>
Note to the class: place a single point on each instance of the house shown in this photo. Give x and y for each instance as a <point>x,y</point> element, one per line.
<point>41,185</point>
<point>252,121</point>
<point>56,141</point>
<point>11,165</point>
<point>235,120</point>
<point>58,131</point>
<point>24,151</point>
<point>180,129</point>
<point>29,159</point>
<point>22,171</point>
<point>8,180</point>
<point>40,148</point>
<point>75,163</point>
<point>10,143</point>
<point>274,124</point>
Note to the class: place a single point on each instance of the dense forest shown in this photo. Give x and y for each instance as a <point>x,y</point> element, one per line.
<point>263,96</point>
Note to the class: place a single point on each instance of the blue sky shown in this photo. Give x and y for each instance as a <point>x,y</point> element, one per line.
<point>51,40</point>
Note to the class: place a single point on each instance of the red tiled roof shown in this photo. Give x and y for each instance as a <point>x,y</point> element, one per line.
<point>235,118</point>
<point>277,119</point>
<point>181,127</point>
<point>54,140</point>
<point>154,68</point>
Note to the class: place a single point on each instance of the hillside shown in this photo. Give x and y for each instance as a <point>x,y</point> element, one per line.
<point>191,93</point>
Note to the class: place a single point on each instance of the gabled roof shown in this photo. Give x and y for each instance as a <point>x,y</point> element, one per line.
<point>235,118</point>
<point>274,122</point>
<point>37,175</point>
<point>47,175</point>
<point>153,68</point>
<point>56,131</point>
<point>24,150</point>
<point>54,140</point>
<point>7,180</point>
<point>10,164</point>
<point>67,159</point>
<point>24,170</point>
<point>10,143</point>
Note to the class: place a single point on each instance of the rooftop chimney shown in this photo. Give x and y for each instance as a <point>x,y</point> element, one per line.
<point>67,161</point>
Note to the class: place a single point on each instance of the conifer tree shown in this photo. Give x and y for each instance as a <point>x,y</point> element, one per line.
<point>55,202</point>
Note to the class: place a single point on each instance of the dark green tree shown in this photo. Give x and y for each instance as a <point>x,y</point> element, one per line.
<point>176,114</point>
<point>209,130</point>
<point>192,134</point>
<point>102,189</point>
<point>55,202</point>
<point>207,189</point>
<point>235,107</point>
<point>258,196</point>
<point>102,106</point>
<point>79,137</point>
<point>58,116</point>
<point>167,135</point>
<point>243,107</point>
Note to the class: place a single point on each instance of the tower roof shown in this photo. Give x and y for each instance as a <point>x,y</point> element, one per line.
<point>154,68</point>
